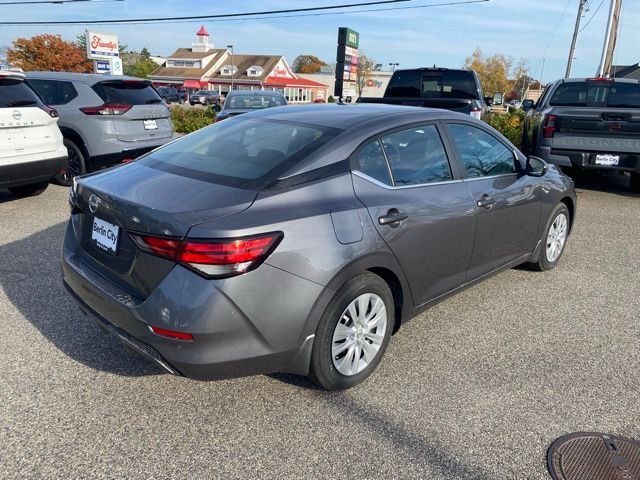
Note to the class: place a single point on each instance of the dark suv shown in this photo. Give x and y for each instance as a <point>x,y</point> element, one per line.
<point>587,124</point>
<point>456,90</point>
<point>171,95</point>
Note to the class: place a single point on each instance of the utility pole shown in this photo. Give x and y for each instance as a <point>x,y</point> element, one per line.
<point>610,38</point>
<point>572,51</point>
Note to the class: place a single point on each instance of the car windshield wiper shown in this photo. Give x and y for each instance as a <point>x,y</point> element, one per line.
<point>20,103</point>
<point>153,100</point>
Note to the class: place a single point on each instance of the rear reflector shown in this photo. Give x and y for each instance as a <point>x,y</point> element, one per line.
<point>107,109</point>
<point>217,258</point>
<point>163,332</point>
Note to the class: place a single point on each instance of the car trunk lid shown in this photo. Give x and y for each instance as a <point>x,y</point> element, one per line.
<point>136,198</point>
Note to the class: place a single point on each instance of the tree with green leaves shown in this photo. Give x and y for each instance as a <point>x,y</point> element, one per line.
<point>142,68</point>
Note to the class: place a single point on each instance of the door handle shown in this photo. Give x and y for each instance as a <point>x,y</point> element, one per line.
<point>392,218</point>
<point>486,201</point>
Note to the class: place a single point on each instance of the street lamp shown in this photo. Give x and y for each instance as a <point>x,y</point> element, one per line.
<point>232,67</point>
<point>393,66</point>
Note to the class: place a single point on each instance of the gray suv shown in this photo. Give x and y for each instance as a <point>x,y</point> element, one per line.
<point>104,120</point>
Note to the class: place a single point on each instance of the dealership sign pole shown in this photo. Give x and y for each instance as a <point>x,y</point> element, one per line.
<point>347,64</point>
<point>103,49</point>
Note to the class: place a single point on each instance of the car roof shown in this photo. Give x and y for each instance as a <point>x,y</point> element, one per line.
<point>252,92</point>
<point>88,78</point>
<point>346,116</point>
<point>13,74</point>
<point>595,80</point>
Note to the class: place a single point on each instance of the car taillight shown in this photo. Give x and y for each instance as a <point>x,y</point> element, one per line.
<point>107,109</point>
<point>549,126</point>
<point>212,258</point>
<point>52,112</point>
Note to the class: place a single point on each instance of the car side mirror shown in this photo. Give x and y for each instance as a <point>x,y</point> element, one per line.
<point>528,105</point>
<point>537,167</point>
<point>216,108</point>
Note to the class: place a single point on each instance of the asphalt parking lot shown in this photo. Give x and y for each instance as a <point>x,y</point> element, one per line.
<point>476,388</point>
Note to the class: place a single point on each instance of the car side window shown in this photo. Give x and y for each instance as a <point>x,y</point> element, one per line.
<point>67,92</point>
<point>371,162</point>
<point>47,89</point>
<point>417,156</point>
<point>483,155</point>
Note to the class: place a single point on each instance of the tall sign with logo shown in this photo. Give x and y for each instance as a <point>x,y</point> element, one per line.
<point>347,63</point>
<point>103,49</point>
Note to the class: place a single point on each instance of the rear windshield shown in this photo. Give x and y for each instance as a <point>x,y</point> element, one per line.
<point>433,84</point>
<point>596,94</point>
<point>256,102</point>
<point>240,152</point>
<point>125,91</point>
<point>16,93</point>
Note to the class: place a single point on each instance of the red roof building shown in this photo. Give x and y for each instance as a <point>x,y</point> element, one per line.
<point>204,67</point>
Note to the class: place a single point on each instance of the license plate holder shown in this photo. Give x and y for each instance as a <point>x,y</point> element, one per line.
<point>150,124</point>
<point>105,236</point>
<point>607,160</point>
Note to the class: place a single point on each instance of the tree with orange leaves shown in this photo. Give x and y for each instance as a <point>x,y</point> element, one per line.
<point>48,52</point>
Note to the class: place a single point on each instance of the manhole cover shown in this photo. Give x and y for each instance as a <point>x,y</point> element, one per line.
<point>594,456</point>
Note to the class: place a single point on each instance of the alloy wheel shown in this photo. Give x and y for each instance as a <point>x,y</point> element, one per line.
<point>557,237</point>
<point>359,334</point>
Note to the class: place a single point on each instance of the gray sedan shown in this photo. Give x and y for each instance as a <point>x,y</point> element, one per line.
<point>301,239</point>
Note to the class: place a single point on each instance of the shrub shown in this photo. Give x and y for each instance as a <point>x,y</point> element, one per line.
<point>331,99</point>
<point>187,120</point>
<point>510,125</point>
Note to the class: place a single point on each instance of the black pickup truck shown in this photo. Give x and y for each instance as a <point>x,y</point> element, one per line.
<point>457,90</point>
<point>587,124</point>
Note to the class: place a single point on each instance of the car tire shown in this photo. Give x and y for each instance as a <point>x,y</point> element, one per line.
<point>635,182</point>
<point>556,230</point>
<point>29,190</point>
<point>75,165</point>
<point>334,365</point>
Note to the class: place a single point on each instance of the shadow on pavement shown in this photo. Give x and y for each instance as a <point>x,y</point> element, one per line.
<point>31,277</point>
<point>610,183</point>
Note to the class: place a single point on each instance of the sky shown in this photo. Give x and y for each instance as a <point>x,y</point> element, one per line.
<point>414,37</point>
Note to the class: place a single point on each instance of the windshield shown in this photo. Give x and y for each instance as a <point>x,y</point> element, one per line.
<point>16,93</point>
<point>596,94</point>
<point>203,92</point>
<point>127,91</point>
<point>433,84</point>
<point>240,152</point>
<point>254,102</point>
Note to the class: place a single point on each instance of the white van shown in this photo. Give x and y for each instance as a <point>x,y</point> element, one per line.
<point>31,148</point>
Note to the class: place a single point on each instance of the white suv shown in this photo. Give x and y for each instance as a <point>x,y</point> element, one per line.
<point>31,148</point>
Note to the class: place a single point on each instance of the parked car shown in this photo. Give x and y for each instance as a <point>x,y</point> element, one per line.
<point>105,120</point>
<point>204,97</point>
<point>244,101</point>
<point>587,124</point>
<point>456,90</point>
<point>517,104</point>
<point>171,95</point>
<point>31,148</point>
<point>299,239</point>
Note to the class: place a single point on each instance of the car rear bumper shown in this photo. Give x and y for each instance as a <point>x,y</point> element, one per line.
<point>238,327</point>
<point>124,156</point>
<point>629,162</point>
<point>34,171</point>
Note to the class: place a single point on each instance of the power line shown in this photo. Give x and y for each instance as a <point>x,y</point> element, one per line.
<point>56,2</point>
<point>300,15</point>
<point>591,18</point>
<point>204,17</point>
<point>257,15</point>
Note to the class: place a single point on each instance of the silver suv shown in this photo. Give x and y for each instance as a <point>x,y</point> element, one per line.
<point>104,120</point>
